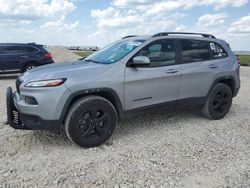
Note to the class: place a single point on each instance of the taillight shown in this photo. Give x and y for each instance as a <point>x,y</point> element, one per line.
<point>47,55</point>
<point>238,59</point>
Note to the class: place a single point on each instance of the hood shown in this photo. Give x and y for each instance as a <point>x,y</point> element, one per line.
<point>58,70</point>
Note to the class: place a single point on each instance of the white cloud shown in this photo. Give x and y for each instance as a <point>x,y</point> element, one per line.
<point>20,21</point>
<point>14,23</point>
<point>45,21</point>
<point>149,16</point>
<point>114,23</point>
<point>125,17</point>
<point>59,25</point>
<point>171,4</point>
<point>34,9</point>
<point>111,18</point>
<point>212,20</point>
<point>241,26</point>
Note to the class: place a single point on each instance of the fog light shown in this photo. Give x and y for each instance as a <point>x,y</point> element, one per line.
<point>31,100</point>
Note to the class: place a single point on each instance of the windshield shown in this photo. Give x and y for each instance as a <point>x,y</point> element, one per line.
<point>114,52</point>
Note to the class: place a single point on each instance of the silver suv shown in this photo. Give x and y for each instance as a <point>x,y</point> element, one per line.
<point>133,75</point>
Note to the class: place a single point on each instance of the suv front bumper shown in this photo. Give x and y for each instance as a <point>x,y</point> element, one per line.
<point>18,120</point>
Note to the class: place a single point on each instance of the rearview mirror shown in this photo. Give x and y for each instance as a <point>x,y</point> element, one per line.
<point>141,60</point>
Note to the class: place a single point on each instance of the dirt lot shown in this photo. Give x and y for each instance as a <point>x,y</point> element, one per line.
<point>173,149</point>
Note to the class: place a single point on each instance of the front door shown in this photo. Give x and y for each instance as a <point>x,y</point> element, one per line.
<point>157,82</point>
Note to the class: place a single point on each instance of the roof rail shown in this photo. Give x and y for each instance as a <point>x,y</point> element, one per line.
<point>129,36</point>
<point>183,33</point>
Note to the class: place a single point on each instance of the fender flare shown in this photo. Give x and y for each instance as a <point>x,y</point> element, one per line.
<point>219,80</point>
<point>93,91</point>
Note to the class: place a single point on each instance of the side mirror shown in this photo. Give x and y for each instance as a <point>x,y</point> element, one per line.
<point>141,60</point>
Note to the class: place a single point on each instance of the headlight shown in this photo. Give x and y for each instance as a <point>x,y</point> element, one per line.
<point>46,83</point>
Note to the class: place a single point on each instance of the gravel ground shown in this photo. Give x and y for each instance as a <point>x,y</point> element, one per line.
<point>61,54</point>
<point>167,149</point>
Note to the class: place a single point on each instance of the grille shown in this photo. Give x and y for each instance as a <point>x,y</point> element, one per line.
<point>18,83</point>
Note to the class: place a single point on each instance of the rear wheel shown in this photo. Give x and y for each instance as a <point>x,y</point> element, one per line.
<point>29,67</point>
<point>219,102</point>
<point>90,121</point>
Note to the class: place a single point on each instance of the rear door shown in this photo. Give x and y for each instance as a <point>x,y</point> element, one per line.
<point>199,68</point>
<point>157,82</point>
<point>12,57</point>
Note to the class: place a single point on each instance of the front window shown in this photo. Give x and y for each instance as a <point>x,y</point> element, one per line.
<point>160,53</point>
<point>114,52</point>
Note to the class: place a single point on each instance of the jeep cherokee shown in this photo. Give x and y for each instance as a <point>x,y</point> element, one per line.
<point>133,75</point>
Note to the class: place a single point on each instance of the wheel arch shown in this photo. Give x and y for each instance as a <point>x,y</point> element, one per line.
<point>106,93</point>
<point>24,64</point>
<point>228,80</point>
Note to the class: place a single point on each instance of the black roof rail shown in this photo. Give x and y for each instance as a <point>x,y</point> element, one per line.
<point>31,43</point>
<point>129,36</point>
<point>183,33</point>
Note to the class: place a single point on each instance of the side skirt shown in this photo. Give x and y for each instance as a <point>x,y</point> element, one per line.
<point>188,102</point>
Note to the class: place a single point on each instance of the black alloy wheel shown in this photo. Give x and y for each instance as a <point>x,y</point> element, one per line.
<point>90,121</point>
<point>219,102</point>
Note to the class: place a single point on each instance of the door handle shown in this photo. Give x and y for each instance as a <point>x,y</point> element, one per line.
<point>171,71</point>
<point>213,66</point>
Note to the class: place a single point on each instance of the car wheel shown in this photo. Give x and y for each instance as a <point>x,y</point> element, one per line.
<point>90,121</point>
<point>219,102</point>
<point>29,67</point>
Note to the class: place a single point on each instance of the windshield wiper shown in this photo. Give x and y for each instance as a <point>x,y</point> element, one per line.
<point>91,60</point>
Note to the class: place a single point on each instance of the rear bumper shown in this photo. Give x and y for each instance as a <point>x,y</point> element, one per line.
<point>45,62</point>
<point>18,120</point>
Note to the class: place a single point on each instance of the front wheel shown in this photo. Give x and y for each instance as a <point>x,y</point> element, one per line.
<point>219,102</point>
<point>90,121</point>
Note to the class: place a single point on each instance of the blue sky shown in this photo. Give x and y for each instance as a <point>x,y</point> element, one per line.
<point>99,22</point>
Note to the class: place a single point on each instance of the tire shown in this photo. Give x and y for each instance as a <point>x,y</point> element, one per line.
<point>219,102</point>
<point>90,121</point>
<point>29,67</point>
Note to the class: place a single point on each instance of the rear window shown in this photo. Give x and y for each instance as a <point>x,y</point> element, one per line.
<point>13,49</point>
<point>194,51</point>
<point>217,51</point>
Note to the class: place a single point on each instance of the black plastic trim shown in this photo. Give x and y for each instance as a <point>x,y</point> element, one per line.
<point>150,109</point>
<point>13,116</point>
<point>218,80</point>
<point>94,91</point>
<point>190,102</point>
<point>129,36</point>
<point>141,99</point>
<point>34,122</point>
<point>193,101</point>
<point>183,33</point>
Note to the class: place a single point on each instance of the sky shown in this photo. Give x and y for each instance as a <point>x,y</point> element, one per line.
<point>100,22</point>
